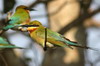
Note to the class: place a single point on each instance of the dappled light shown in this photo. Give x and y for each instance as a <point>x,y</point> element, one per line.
<point>49,32</point>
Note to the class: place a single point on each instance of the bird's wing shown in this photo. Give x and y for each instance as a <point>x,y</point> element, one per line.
<point>9,46</point>
<point>52,37</point>
<point>11,23</point>
<point>5,44</point>
<point>3,41</point>
<point>14,20</point>
<point>50,34</point>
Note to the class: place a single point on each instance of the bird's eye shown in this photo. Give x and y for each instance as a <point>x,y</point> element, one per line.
<point>25,8</point>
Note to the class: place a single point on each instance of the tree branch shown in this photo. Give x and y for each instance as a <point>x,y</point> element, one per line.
<point>77,21</point>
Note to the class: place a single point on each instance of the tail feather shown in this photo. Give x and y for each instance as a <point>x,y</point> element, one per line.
<point>70,42</point>
<point>2,47</point>
<point>85,47</point>
<point>75,44</point>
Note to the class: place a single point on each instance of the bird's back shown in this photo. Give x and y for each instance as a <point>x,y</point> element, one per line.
<point>52,37</point>
<point>17,19</point>
<point>20,17</point>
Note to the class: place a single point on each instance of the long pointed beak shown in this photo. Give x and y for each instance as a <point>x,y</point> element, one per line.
<point>30,9</point>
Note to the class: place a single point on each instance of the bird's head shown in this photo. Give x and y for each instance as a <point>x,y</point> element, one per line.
<point>22,7</point>
<point>35,24</point>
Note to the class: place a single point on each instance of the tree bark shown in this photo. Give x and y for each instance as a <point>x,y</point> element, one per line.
<point>61,13</point>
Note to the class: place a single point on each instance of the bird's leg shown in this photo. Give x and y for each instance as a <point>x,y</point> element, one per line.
<point>9,15</point>
<point>45,46</point>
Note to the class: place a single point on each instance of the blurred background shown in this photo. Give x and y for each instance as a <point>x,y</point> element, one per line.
<point>77,20</point>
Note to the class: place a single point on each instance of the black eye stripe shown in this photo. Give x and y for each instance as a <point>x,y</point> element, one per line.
<point>34,25</point>
<point>30,25</point>
<point>25,8</point>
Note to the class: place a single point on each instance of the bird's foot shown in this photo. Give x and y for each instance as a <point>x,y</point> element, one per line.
<point>45,48</point>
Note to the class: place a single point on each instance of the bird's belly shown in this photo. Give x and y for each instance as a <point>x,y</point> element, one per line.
<point>41,41</point>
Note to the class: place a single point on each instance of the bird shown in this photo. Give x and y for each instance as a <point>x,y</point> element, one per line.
<point>48,38</point>
<point>4,44</point>
<point>21,16</point>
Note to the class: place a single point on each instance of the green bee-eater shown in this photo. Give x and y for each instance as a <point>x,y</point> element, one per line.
<point>48,38</point>
<point>21,16</point>
<point>4,44</point>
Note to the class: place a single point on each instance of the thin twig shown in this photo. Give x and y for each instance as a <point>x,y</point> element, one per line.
<point>3,60</point>
<point>45,46</point>
<point>77,21</point>
<point>39,1</point>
